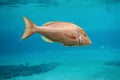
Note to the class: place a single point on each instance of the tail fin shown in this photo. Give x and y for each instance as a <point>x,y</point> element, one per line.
<point>29,28</point>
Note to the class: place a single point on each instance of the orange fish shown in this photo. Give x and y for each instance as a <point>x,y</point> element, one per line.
<point>66,33</point>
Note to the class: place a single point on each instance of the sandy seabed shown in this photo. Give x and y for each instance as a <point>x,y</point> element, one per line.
<point>74,65</point>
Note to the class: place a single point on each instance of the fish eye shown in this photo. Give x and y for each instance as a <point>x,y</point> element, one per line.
<point>85,35</point>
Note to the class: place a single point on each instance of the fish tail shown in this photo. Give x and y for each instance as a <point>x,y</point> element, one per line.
<point>29,28</point>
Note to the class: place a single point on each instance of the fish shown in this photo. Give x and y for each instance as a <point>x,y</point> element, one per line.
<point>66,33</point>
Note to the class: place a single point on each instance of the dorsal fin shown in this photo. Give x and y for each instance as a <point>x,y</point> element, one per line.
<point>46,39</point>
<point>48,23</point>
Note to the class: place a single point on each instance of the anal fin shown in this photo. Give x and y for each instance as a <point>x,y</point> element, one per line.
<point>46,39</point>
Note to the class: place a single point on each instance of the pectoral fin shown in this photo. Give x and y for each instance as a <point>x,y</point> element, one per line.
<point>72,35</point>
<point>46,39</point>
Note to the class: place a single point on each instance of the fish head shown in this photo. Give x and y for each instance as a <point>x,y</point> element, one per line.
<point>83,38</point>
<point>76,37</point>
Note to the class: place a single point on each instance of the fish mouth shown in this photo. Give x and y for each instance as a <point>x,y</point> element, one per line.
<point>80,43</point>
<point>90,42</point>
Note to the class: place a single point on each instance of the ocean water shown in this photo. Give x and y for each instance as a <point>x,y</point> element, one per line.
<point>99,61</point>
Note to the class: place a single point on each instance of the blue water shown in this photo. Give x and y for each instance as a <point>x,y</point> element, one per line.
<point>99,18</point>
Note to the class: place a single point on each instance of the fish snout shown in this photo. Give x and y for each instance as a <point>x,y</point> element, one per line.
<point>84,40</point>
<point>89,42</point>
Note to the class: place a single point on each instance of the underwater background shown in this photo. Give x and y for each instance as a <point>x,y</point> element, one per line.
<point>99,61</point>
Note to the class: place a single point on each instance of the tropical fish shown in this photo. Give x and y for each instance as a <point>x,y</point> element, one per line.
<point>66,33</point>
